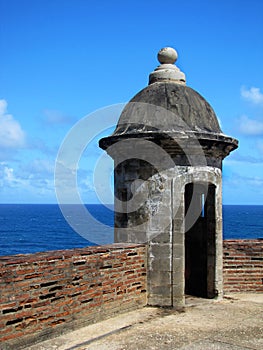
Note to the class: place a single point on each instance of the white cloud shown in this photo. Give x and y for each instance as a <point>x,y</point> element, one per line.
<point>11,133</point>
<point>253,95</point>
<point>16,184</point>
<point>250,126</point>
<point>9,174</point>
<point>8,178</point>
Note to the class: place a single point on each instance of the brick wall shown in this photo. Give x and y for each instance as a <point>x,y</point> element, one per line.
<point>44,294</point>
<point>243,265</point>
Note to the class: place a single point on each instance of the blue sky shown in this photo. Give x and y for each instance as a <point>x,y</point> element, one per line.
<point>64,59</point>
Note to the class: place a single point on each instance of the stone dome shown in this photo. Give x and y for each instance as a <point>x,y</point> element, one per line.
<point>168,106</point>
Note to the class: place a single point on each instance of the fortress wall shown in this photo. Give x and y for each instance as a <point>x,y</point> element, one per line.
<point>243,265</point>
<point>45,294</point>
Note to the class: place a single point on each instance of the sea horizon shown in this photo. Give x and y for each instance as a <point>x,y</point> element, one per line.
<point>39,227</point>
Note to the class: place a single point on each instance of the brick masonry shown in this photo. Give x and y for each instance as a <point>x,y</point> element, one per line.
<point>243,265</point>
<point>45,294</point>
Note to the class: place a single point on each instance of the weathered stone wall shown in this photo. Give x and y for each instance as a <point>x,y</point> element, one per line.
<point>48,293</point>
<point>159,219</point>
<point>243,265</point>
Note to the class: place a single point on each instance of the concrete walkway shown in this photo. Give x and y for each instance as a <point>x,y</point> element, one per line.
<point>235,323</point>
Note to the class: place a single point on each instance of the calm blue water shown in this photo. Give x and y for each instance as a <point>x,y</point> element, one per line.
<point>29,228</point>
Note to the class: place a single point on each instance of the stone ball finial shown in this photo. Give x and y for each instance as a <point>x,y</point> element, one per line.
<point>167,70</point>
<point>167,55</point>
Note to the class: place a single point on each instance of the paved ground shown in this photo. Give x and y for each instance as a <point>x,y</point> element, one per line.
<point>236,323</point>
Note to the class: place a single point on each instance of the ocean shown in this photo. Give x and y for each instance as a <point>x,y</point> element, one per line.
<point>30,228</point>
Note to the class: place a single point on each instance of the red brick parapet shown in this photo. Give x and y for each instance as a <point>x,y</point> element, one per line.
<point>44,294</point>
<point>243,265</point>
<point>47,293</point>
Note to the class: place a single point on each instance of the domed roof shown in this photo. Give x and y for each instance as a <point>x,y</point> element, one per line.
<point>168,106</point>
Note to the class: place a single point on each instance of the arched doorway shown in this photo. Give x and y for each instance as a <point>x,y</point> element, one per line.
<point>200,248</point>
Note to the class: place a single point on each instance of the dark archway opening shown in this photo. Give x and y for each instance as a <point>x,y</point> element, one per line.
<point>200,251</point>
